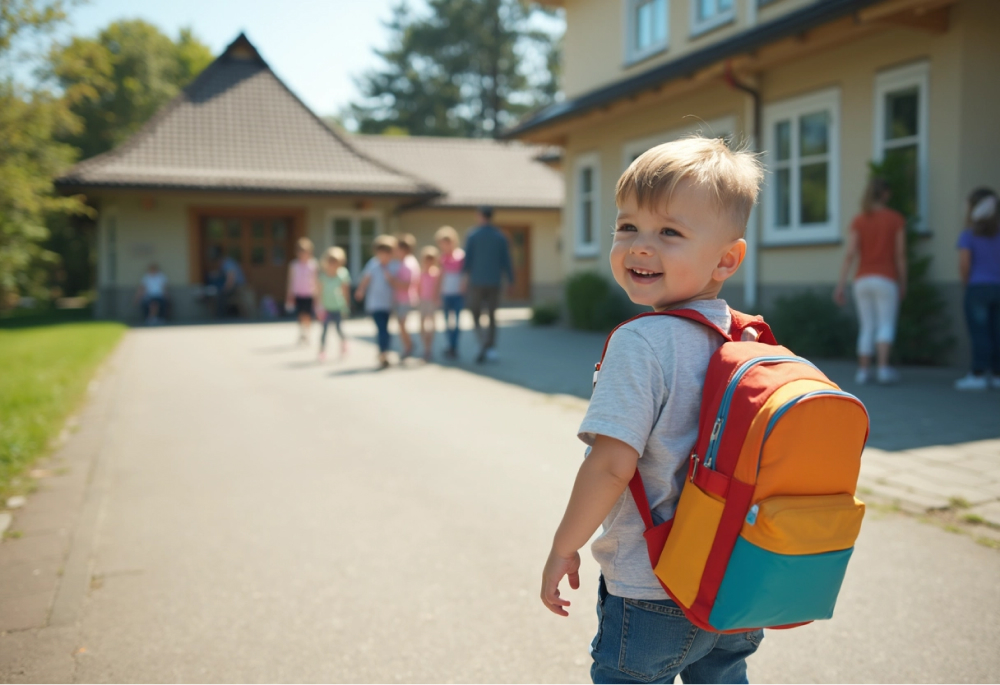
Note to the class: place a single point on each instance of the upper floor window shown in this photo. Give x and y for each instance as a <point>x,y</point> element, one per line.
<point>587,215</point>
<point>709,14</point>
<point>801,139</point>
<point>901,133</point>
<point>647,26</point>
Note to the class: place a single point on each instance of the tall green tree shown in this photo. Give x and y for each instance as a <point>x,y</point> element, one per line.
<point>32,119</point>
<point>114,82</point>
<point>467,68</point>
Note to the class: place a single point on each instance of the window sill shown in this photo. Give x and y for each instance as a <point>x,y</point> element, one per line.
<point>635,58</point>
<point>588,252</point>
<point>767,242</point>
<point>709,25</point>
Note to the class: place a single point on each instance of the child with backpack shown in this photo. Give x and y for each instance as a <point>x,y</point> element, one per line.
<point>335,296</point>
<point>375,290</point>
<point>694,557</point>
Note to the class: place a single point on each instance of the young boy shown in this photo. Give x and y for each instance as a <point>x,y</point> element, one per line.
<point>375,289</point>
<point>682,213</point>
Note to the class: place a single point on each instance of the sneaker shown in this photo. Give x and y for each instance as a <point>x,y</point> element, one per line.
<point>862,377</point>
<point>492,355</point>
<point>322,356</point>
<point>887,375</point>
<point>971,382</point>
<point>343,348</point>
<point>481,357</point>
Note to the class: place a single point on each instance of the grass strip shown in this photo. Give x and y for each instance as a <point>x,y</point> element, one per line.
<point>44,372</point>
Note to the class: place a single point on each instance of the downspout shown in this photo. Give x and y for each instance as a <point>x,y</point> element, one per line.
<point>753,229</point>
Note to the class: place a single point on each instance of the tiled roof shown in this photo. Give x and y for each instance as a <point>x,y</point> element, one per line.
<point>237,127</point>
<point>472,172</point>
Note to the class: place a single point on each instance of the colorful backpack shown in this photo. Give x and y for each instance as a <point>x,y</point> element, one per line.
<point>767,518</point>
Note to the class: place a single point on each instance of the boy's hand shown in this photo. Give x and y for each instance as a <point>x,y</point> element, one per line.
<point>555,568</point>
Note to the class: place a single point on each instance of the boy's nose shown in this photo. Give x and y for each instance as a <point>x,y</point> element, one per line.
<point>641,245</point>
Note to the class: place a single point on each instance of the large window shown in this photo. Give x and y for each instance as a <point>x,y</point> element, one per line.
<point>355,234</point>
<point>647,26</point>
<point>901,132</point>
<point>587,208</point>
<point>801,196</point>
<point>709,14</point>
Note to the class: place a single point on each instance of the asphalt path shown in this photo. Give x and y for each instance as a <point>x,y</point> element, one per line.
<point>265,518</point>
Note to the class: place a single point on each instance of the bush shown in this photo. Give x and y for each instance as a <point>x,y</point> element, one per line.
<point>545,314</point>
<point>595,304</point>
<point>812,325</point>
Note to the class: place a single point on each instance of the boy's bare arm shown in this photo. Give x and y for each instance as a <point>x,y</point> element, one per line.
<point>359,294</point>
<point>602,479</point>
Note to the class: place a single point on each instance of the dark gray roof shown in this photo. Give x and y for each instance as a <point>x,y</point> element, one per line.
<point>472,172</point>
<point>815,14</point>
<point>237,127</point>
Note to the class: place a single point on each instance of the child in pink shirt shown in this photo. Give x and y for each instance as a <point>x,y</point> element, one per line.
<point>430,297</point>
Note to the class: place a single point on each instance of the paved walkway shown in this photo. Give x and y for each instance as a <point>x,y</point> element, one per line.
<point>231,511</point>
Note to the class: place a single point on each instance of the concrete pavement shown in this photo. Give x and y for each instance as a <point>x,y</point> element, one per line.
<point>230,510</point>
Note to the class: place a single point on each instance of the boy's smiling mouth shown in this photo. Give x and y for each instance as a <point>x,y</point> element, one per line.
<point>643,276</point>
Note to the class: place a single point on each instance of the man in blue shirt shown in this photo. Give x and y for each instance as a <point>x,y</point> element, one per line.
<point>487,261</point>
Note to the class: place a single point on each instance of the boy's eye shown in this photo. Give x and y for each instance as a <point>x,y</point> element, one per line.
<point>669,232</point>
<point>625,227</point>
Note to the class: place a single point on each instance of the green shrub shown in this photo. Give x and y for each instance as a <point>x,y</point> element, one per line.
<point>596,304</point>
<point>812,325</point>
<point>545,314</point>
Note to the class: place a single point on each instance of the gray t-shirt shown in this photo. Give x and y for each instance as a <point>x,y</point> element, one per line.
<point>648,395</point>
<point>379,295</point>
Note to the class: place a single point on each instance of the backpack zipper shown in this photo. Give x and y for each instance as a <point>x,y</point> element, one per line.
<point>720,417</point>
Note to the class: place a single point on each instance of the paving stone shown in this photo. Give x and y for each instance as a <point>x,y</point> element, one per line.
<point>5,521</point>
<point>40,547</point>
<point>989,512</point>
<point>955,474</point>
<point>27,611</point>
<point>913,502</point>
<point>943,490</point>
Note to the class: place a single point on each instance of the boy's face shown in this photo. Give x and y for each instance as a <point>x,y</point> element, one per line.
<point>331,266</point>
<point>672,254</point>
<point>384,256</point>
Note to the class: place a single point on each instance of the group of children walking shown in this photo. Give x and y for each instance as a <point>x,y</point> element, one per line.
<point>392,285</point>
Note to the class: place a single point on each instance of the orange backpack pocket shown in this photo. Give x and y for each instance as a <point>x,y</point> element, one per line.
<point>684,556</point>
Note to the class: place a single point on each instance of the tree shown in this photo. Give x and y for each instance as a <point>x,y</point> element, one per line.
<point>31,120</point>
<point>119,79</point>
<point>462,70</point>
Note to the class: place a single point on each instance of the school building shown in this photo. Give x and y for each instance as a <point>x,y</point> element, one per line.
<point>821,87</point>
<point>238,162</point>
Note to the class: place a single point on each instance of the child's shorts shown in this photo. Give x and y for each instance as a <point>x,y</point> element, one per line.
<point>304,305</point>
<point>650,641</point>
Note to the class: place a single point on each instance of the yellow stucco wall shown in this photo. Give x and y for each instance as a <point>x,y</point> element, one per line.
<point>594,45</point>
<point>963,145</point>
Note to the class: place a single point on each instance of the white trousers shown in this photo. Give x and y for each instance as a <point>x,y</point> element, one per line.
<point>877,302</point>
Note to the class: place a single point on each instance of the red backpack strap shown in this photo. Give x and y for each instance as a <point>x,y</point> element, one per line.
<point>641,501</point>
<point>742,321</point>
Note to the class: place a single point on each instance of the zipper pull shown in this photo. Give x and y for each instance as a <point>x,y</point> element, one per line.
<point>694,469</point>
<point>715,430</point>
<point>752,514</point>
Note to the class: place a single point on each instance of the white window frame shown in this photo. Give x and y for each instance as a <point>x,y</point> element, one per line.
<point>902,78</point>
<point>593,248</point>
<point>632,53</point>
<point>700,26</point>
<point>797,233</point>
<point>354,264</point>
<point>723,127</point>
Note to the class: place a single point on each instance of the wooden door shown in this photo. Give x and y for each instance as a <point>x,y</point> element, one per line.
<point>519,238</point>
<point>262,244</point>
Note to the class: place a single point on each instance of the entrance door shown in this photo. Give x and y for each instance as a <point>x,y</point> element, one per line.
<point>262,244</point>
<point>519,238</point>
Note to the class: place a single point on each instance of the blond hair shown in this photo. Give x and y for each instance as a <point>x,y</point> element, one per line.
<point>446,233</point>
<point>407,240</point>
<point>430,252</point>
<point>384,242</point>
<point>733,177</point>
<point>335,254</point>
<point>304,244</point>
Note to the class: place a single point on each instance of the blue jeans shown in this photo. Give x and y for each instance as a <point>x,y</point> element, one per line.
<point>650,641</point>
<point>452,304</point>
<point>382,323</point>
<point>982,314</point>
<point>332,317</point>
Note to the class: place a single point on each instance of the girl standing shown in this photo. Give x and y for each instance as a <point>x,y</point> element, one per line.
<point>979,268</point>
<point>878,241</point>
<point>303,287</point>
<point>452,284</point>
<point>430,298</point>
<point>335,294</point>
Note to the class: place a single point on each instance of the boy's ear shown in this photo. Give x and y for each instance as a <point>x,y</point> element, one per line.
<point>730,260</point>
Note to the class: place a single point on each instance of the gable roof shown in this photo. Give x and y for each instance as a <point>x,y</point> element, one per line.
<point>472,172</point>
<point>796,22</point>
<point>237,127</point>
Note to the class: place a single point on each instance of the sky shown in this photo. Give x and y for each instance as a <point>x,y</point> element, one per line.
<point>315,46</point>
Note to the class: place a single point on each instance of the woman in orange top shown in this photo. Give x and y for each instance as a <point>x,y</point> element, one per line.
<point>878,241</point>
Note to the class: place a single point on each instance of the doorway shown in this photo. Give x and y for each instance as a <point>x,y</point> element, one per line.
<point>519,238</point>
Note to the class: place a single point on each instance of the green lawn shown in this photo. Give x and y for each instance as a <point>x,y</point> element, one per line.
<point>44,372</point>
